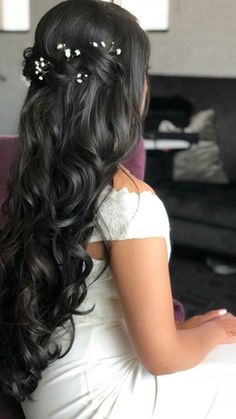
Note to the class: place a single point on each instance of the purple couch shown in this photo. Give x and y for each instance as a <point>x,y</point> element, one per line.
<point>137,161</point>
<point>7,153</point>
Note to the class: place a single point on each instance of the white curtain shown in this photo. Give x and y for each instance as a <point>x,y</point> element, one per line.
<point>152,14</point>
<point>14,15</point>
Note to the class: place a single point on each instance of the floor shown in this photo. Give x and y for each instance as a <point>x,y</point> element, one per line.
<point>198,287</point>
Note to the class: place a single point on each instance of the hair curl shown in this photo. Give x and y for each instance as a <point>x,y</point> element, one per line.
<point>71,140</point>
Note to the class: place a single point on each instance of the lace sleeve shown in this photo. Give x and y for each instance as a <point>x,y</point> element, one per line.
<point>127,215</point>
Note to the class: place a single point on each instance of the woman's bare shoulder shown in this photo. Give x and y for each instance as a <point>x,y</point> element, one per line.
<point>124,179</point>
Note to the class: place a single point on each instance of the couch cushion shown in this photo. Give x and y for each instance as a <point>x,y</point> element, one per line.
<point>201,162</point>
<point>212,205</point>
<point>7,154</point>
<point>137,161</point>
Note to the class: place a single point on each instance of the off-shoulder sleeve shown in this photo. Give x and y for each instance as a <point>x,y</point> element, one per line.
<point>127,215</point>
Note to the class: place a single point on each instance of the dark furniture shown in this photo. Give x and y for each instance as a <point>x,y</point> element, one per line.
<point>202,215</point>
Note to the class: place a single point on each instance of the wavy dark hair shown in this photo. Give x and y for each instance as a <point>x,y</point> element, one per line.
<point>72,138</point>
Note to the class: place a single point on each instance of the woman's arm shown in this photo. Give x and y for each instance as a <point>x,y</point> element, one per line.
<point>200,319</point>
<point>140,269</point>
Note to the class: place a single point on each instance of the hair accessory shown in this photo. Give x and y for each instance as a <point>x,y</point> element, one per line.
<point>103,44</point>
<point>41,67</point>
<point>61,46</point>
<point>81,77</point>
<point>67,51</point>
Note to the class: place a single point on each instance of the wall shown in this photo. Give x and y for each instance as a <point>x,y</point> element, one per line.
<point>200,41</point>
<point>12,91</point>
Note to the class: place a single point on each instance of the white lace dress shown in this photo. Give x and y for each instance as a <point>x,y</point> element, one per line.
<point>101,377</point>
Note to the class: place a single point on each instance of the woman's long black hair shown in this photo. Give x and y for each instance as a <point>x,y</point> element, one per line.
<point>72,137</point>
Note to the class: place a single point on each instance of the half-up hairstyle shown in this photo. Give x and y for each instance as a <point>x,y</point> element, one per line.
<point>72,137</point>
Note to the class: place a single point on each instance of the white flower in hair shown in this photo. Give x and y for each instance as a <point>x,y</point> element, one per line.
<point>103,44</point>
<point>41,67</point>
<point>61,46</point>
<point>68,53</point>
<point>80,77</point>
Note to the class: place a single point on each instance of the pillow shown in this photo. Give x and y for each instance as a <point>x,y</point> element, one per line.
<point>202,123</point>
<point>201,162</point>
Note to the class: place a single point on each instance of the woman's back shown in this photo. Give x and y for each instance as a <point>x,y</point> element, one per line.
<point>102,376</point>
<point>81,118</point>
<point>101,373</point>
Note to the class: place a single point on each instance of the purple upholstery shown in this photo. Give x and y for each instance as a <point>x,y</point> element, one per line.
<point>137,161</point>
<point>179,311</point>
<point>7,153</point>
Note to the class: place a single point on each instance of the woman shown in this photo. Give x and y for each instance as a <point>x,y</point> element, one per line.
<point>87,323</point>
